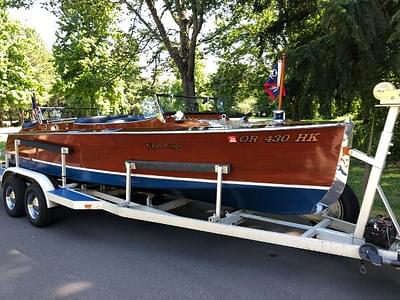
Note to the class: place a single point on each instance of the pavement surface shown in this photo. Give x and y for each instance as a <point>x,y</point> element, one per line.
<point>95,255</point>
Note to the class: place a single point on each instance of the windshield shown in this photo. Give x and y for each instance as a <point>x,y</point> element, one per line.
<point>151,108</point>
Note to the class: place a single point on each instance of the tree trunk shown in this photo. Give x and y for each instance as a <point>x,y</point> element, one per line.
<point>10,117</point>
<point>20,116</point>
<point>188,84</point>
<point>189,17</point>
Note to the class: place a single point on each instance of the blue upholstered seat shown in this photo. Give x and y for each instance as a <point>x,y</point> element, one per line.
<point>108,119</point>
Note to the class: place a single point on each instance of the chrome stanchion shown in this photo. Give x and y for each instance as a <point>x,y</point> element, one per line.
<point>219,170</point>
<point>64,152</point>
<point>16,145</point>
<point>128,189</point>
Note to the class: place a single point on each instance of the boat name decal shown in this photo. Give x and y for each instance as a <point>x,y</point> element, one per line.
<point>277,138</point>
<point>159,146</point>
<point>306,137</point>
<point>299,138</point>
<point>248,139</point>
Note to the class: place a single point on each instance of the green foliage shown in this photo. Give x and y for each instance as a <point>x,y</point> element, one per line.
<point>362,135</point>
<point>173,86</point>
<point>226,84</point>
<point>249,34</point>
<point>16,3</point>
<point>344,62</point>
<point>389,183</point>
<point>25,65</point>
<point>237,83</point>
<point>93,58</point>
<point>337,50</point>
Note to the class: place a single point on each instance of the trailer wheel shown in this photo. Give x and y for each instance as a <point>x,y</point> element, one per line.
<point>346,208</point>
<point>36,208</point>
<point>13,196</point>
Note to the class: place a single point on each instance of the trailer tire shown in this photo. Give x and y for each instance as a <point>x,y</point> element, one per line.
<point>13,196</point>
<point>36,208</point>
<point>346,208</point>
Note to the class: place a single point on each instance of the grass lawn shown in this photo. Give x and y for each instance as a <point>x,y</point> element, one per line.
<point>390,183</point>
<point>2,145</point>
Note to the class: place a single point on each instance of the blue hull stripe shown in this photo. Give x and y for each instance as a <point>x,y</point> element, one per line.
<point>72,195</point>
<point>271,199</point>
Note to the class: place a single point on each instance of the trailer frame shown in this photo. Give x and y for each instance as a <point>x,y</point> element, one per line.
<point>329,235</point>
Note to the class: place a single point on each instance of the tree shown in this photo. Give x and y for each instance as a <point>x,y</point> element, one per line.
<point>350,56</point>
<point>93,57</point>
<point>337,50</point>
<point>245,40</point>
<point>25,65</point>
<point>181,40</point>
<point>16,3</point>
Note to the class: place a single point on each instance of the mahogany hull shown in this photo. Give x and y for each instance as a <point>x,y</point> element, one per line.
<point>278,169</point>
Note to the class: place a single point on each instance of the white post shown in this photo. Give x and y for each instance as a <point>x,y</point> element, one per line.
<point>8,158</point>
<point>64,152</point>
<point>376,171</point>
<point>218,169</point>
<point>128,189</point>
<point>128,182</point>
<point>16,145</point>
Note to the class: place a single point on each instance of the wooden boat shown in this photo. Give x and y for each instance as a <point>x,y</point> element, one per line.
<point>289,169</point>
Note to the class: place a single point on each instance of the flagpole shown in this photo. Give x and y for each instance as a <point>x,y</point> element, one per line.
<point>282,82</point>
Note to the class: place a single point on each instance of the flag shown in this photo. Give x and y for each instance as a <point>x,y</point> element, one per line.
<point>271,85</point>
<point>36,112</point>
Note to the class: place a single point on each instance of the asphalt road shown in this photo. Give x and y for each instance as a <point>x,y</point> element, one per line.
<point>95,255</point>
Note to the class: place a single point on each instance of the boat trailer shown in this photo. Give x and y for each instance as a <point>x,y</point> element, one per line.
<point>329,235</point>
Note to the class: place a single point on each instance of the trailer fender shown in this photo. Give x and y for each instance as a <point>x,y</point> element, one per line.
<point>42,180</point>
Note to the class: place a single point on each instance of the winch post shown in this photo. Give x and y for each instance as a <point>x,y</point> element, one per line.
<point>391,98</point>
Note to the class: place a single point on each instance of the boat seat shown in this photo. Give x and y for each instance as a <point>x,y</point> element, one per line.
<point>91,120</point>
<point>108,119</point>
<point>28,124</point>
<point>126,119</point>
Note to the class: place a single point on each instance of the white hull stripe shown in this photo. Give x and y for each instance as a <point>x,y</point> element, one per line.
<point>250,183</point>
